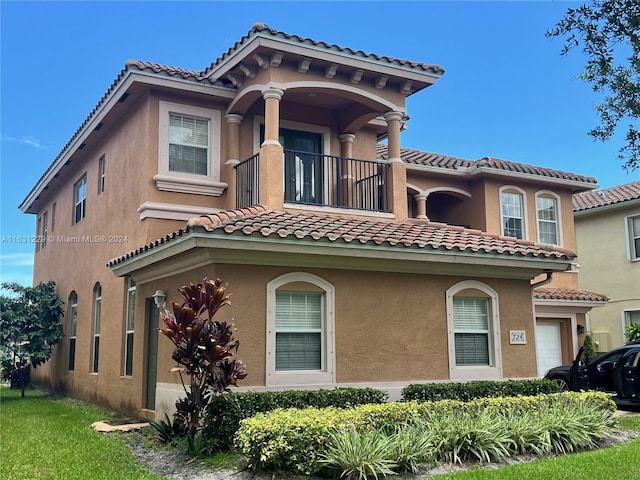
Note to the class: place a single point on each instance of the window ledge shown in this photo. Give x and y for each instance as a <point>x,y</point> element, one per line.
<point>293,378</point>
<point>192,184</point>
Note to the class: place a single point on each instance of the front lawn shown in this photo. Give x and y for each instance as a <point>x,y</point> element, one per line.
<point>51,438</point>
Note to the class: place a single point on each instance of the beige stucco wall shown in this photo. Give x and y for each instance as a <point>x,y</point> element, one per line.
<point>605,267</point>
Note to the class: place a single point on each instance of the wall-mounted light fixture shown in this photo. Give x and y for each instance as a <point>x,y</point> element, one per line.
<point>580,329</point>
<point>159,298</point>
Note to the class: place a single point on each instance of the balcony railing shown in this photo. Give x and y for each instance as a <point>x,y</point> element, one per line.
<point>322,180</point>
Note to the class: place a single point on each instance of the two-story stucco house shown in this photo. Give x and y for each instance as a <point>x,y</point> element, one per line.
<point>351,260</point>
<point>607,224</point>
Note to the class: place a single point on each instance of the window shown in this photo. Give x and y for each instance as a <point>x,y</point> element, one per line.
<point>97,313</point>
<point>45,230</point>
<point>73,324</point>
<point>101,174</point>
<point>631,317</point>
<point>547,212</point>
<point>633,228</point>
<point>188,150</point>
<point>299,332</point>
<point>53,216</point>
<point>80,199</point>
<point>300,341</point>
<point>512,211</point>
<point>38,233</point>
<point>131,310</point>
<point>474,337</point>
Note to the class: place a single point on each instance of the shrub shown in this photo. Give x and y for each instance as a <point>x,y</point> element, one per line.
<point>477,389</point>
<point>453,431</point>
<point>226,411</point>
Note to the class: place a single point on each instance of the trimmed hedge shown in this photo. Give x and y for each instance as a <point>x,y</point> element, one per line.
<point>225,412</point>
<point>432,392</point>
<point>294,439</point>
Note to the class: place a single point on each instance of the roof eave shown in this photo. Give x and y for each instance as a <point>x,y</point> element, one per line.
<point>606,208</point>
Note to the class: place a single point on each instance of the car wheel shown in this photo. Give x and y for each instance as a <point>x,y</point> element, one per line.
<point>562,383</point>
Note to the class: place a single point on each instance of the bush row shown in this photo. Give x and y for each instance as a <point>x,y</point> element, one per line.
<point>299,439</point>
<point>226,411</point>
<point>432,392</point>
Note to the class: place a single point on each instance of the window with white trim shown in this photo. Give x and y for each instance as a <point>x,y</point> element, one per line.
<point>38,233</point>
<point>300,339</point>
<point>73,325</point>
<point>80,199</point>
<point>189,150</point>
<point>512,212</point>
<point>97,314</point>
<point>474,331</point>
<point>633,228</point>
<point>45,229</point>
<point>129,327</point>
<point>631,317</point>
<point>101,173</point>
<point>548,218</point>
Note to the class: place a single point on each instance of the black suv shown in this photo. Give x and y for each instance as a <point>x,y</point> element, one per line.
<point>617,371</point>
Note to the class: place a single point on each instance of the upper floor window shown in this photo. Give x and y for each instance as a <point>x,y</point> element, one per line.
<point>300,341</point>
<point>101,173</point>
<point>53,216</point>
<point>38,233</point>
<point>188,150</point>
<point>80,199</point>
<point>129,326</point>
<point>633,228</point>
<point>512,212</point>
<point>45,228</point>
<point>73,325</point>
<point>548,218</point>
<point>474,331</point>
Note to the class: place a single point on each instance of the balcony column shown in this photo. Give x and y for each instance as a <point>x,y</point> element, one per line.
<point>398,174</point>
<point>271,152</point>
<point>233,156</point>
<point>421,200</point>
<point>346,181</point>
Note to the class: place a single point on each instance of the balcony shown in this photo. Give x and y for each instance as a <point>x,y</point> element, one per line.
<point>321,180</point>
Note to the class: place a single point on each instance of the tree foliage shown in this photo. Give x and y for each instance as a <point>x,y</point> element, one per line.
<point>204,351</point>
<point>608,31</point>
<point>29,325</point>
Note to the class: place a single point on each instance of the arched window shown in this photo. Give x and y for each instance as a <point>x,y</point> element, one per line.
<point>474,331</point>
<point>300,323</point>
<point>73,324</point>
<point>97,313</point>
<point>512,211</point>
<point>548,215</point>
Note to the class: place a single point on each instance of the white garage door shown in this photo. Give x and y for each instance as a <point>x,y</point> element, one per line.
<point>548,346</point>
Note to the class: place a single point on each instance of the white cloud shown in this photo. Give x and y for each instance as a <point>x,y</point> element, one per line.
<point>16,260</point>
<point>30,141</point>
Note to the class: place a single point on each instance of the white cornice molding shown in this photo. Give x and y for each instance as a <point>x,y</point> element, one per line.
<point>189,185</point>
<point>172,211</point>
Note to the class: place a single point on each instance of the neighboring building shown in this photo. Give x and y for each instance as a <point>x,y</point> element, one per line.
<point>351,262</point>
<point>607,226</point>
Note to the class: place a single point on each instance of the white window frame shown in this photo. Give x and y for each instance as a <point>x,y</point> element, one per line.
<point>632,235</point>
<point>323,377</point>
<point>101,173</point>
<point>80,188</point>
<point>129,326</point>
<point>513,190</point>
<point>97,317</point>
<point>626,320</point>
<point>550,195</point>
<point>45,229</point>
<point>475,372</point>
<point>169,181</point>
<point>73,329</point>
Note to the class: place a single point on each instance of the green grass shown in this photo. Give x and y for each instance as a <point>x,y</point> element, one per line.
<point>49,438</point>
<point>619,462</point>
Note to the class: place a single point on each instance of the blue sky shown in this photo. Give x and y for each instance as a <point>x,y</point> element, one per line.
<point>506,92</point>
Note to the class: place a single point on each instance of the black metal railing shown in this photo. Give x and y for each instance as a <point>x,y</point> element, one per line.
<point>322,180</point>
<point>328,180</point>
<point>248,182</point>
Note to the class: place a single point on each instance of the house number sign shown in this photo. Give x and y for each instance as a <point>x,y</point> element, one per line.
<point>517,337</point>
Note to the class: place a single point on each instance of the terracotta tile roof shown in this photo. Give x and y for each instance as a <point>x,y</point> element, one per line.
<point>168,70</point>
<point>606,196</point>
<point>417,157</point>
<point>568,294</point>
<point>417,234</point>
<point>262,29</point>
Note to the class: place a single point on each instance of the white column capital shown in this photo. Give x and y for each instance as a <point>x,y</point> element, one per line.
<point>347,138</point>
<point>390,116</point>
<point>233,118</point>
<point>272,92</point>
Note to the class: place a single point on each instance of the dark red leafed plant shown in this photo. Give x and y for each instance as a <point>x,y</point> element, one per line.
<point>204,351</point>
